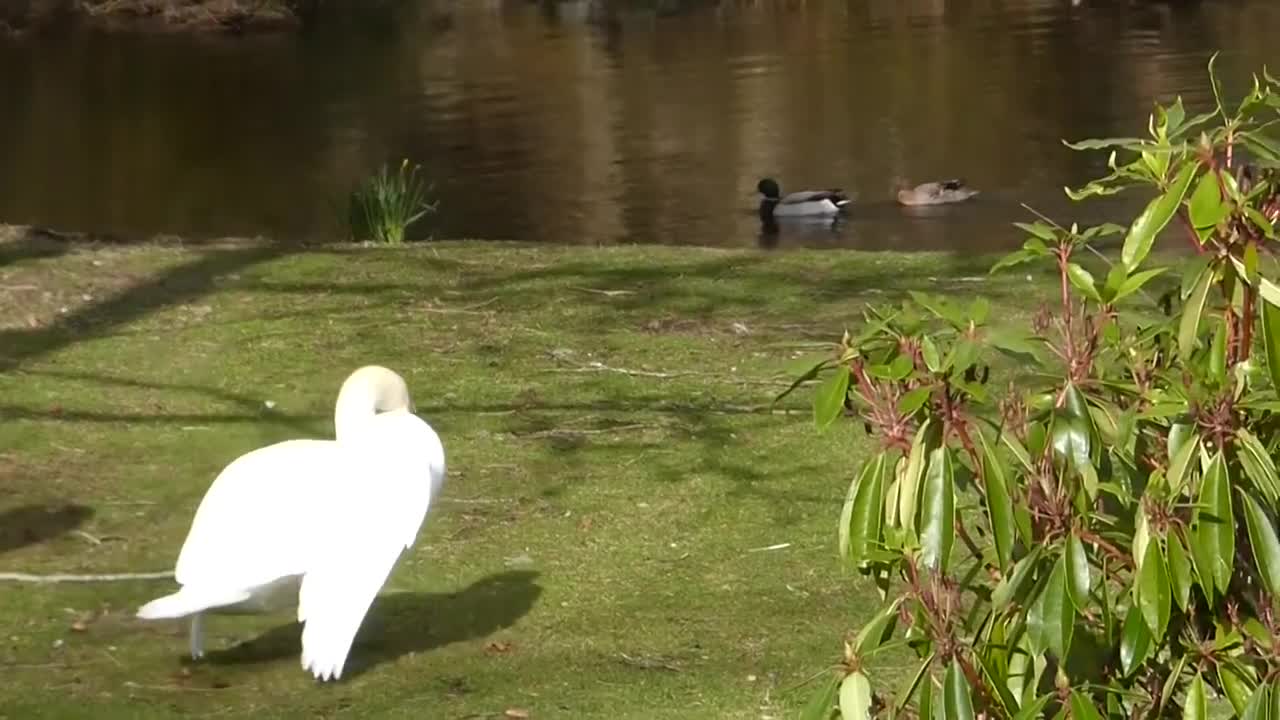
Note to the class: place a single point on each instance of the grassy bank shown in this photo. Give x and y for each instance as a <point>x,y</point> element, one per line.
<point>614,466</point>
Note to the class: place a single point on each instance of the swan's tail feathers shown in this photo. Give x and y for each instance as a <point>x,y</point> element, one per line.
<point>189,601</point>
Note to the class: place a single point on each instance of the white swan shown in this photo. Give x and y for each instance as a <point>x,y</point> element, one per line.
<point>316,523</point>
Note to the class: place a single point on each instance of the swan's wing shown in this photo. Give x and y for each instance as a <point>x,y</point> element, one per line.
<point>399,466</point>
<point>253,524</point>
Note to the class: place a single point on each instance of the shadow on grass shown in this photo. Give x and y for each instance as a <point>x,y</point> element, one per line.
<point>30,524</point>
<point>180,284</point>
<point>402,623</point>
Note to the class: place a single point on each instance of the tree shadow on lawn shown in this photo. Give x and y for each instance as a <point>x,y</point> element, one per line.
<point>403,623</point>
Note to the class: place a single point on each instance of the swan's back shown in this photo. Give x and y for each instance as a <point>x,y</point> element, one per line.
<point>254,523</point>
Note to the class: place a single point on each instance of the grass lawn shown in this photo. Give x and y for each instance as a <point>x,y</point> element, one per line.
<point>614,466</point>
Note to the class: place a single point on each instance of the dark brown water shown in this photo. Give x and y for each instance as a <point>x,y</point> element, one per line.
<point>558,123</point>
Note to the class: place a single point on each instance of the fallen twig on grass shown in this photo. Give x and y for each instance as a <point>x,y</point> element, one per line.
<point>586,431</point>
<point>779,546</point>
<point>648,663</point>
<point>606,293</point>
<point>110,577</point>
<point>717,377</point>
<point>466,309</point>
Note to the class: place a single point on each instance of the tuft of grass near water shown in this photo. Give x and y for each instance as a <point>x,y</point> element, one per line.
<point>615,466</point>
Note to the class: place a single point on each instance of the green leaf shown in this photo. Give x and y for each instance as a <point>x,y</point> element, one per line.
<point>1263,541</point>
<point>979,310</point>
<point>1038,229</point>
<point>1078,580</point>
<point>829,400</point>
<point>1213,526</point>
<point>1102,143</point>
<point>1153,591</point>
<point>1083,281</point>
<point>1017,257</point>
<point>1236,685</point>
<point>1268,229</point>
<point>1259,705</point>
<point>925,440</point>
<point>1218,353</point>
<point>1135,282</point>
<point>1013,584</point>
<point>1033,710</point>
<point>855,697</point>
<point>1271,341</point>
<point>958,705</point>
<point>929,351</point>
<point>877,630</point>
<point>823,701</point>
<point>1082,707</point>
<point>1179,571</point>
<point>1050,619</point>
<point>913,400</point>
<point>860,524</point>
<point>1180,458</point>
<point>937,532</point>
<point>1189,325</point>
<point>1143,231</point>
<point>1257,464</point>
<point>1206,206</point>
<point>1196,705</point>
<point>1135,642</point>
<point>999,505</point>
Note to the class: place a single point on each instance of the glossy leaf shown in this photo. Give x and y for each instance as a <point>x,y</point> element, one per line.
<point>913,400</point>
<point>1143,231</point>
<point>1263,541</point>
<point>1259,705</point>
<point>1213,526</point>
<point>1189,324</point>
<point>929,351</point>
<point>1078,580</point>
<point>1196,705</point>
<point>1257,464</point>
<point>877,629</point>
<point>1050,619</point>
<point>1236,685</point>
<point>855,697</point>
<point>1271,340</point>
<point>1135,641</point>
<point>828,402</point>
<point>1181,452</point>
<point>938,512</point>
<point>1082,707</point>
<point>909,492</point>
<point>999,505</point>
<point>1136,281</point>
<point>1154,594</point>
<point>823,701</point>
<point>1013,584</point>
<point>864,512</point>
<point>1206,207</point>
<point>1180,578</point>
<point>958,703</point>
<point>1083,281</point>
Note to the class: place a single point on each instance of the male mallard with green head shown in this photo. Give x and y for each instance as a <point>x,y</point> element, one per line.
<point>801,203</point>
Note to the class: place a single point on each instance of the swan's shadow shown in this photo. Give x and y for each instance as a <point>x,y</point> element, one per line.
<point>402,623</point>
<point>31,524</point>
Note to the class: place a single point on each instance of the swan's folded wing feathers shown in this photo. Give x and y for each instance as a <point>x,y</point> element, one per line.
<point>254,522</point>
<point>382,515</point>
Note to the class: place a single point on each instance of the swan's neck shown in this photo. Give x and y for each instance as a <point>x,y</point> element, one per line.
<point>365,393</point>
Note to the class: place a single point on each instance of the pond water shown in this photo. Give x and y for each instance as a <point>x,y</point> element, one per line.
<point>575,123</point>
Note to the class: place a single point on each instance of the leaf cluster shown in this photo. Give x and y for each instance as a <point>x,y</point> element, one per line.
<point>1099,539</point>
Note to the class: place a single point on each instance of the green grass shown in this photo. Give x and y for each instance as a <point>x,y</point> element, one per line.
<point>591,554</point>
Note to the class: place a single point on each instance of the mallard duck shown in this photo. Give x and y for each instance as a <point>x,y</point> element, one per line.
<point>936,193</point>
<point>804,202</point>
